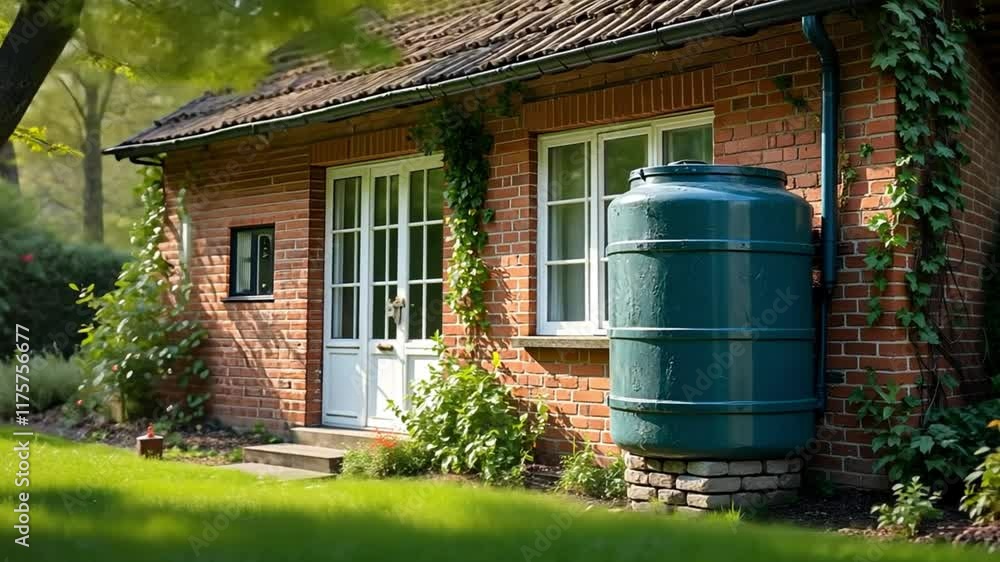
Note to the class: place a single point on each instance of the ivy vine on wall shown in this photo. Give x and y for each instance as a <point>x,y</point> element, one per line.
<point>459,131</point>
<point>923,46</point>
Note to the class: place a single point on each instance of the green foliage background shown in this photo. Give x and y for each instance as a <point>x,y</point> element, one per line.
<point>36,269</point>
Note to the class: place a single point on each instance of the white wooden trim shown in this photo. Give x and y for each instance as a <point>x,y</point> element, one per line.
<point>595,230</point>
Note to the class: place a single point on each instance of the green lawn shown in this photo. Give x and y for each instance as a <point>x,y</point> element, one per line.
<point>97,503</point>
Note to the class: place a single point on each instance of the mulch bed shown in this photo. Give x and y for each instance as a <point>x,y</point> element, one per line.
<point>210,445</point>
<point>849,512</point>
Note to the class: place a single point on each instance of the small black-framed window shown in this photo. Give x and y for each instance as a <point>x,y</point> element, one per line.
<point>251,261</point>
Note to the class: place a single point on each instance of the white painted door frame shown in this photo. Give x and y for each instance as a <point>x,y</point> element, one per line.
<point>361,372</point>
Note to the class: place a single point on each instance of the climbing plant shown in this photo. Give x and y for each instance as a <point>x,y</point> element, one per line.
<point>922,45</point>
<point>140,337</point>
<point>460,133</point>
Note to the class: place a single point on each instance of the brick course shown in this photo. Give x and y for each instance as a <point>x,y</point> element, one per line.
<point>266,357</point>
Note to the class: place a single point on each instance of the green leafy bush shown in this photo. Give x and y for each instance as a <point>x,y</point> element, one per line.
<point>914,504</point>
<point>942,448</point>
<point>583,474</point>
<point>140,337</point>
<point>982,492</point>
<point>385,456</point>
<point>468,422</point>
<point>53,380</point>
<point>35,268</point>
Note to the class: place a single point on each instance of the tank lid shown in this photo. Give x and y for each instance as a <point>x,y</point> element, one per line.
<point>691,168</point>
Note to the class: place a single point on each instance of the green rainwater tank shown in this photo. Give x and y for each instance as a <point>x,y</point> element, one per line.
<point>710,314</point>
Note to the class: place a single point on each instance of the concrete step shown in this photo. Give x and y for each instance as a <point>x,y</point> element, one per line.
<point>273,471</point>
<point>294,455</point>
<point>337,438</point>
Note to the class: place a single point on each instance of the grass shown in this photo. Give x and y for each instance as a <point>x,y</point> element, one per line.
<point>93,502</point>
<point>52,380</point>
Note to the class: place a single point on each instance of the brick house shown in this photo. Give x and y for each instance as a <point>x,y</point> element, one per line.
<point>311,209</point>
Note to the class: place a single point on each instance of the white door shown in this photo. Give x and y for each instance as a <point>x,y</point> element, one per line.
<point>384,291</point>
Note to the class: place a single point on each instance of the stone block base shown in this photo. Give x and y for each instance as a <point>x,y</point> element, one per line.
<point>707,485</point>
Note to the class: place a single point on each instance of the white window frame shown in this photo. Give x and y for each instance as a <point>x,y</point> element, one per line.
<point>595,293</point>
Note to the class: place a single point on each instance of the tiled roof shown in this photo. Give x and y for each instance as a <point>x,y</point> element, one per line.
<point>452,40</point>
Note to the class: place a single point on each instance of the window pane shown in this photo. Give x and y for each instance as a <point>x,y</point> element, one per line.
<point>265,263</point>
<point>435,194</point>
<point>621,156</point>
<point>414,329</point>
<point>390,324</point>
<point>244,241</point>
<point>567,228</point>
<point>568,172</point>
<point>416,196</point>
<point>567,293</point>
<point>692,143</point>
<point>435,245</point>
<point>434,301</point>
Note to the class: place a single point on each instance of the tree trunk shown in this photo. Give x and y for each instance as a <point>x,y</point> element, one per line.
<point>93,169</point>
<point>35,40</point>
<point>8,165</point>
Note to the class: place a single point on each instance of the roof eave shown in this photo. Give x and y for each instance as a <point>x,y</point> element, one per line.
<point>671,36</point>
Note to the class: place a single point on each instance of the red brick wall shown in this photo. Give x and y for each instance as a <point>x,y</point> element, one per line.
<point>266,357</point>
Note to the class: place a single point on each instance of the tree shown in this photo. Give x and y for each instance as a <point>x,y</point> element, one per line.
<point>212,43</point>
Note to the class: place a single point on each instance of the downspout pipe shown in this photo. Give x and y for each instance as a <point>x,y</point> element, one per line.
<point>812,26</point>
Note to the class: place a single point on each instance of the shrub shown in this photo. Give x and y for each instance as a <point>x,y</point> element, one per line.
<point>53,380</point>
<point>140,337</point>
<point>35,269</point>
<point>941,448</point>
<point>467,421</point>
<point>914,504</point>
<point>982,492</point>
<point>583,474</point>
<point>385,456</point>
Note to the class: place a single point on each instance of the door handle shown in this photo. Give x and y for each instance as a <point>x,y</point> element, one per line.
<point>394,308</point>
<point>384,346</point>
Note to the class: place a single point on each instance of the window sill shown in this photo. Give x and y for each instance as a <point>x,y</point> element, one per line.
<point>560,342</point>
<point>250,298</point>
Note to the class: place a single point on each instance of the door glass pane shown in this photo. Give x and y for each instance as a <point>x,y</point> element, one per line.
<point>417,196</point>
<point>414,329</point>
<point>345,203</point>
<point>344,257</point>
<point>621,156</point>
<point>567,294</point>
<point>393,199</point>
<point>435,243</point>
<point>380,200</point>
<point>390,324</point>
<point>416,256</point>
<point>378,312</point>
<point>344,317</point>
<point>567,228</point>
<point>691,143</point>
<point>434,300</point>
<point>568,172</point>
<point>435,194</point>
<point>393,252</point>
<point>378,253</point>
